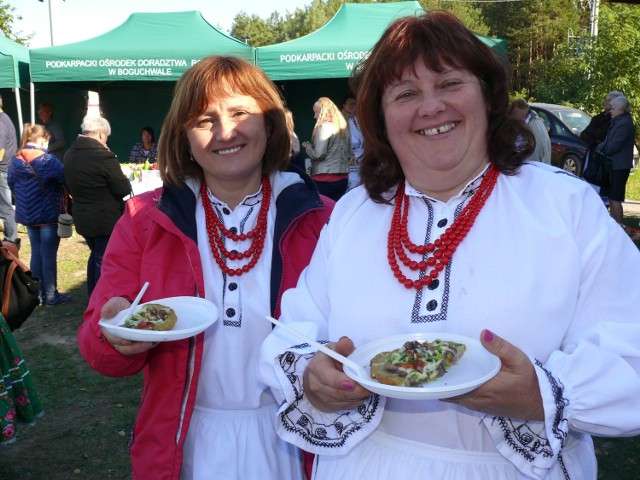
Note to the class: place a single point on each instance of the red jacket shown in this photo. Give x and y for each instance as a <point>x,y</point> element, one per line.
<point>156,239</point>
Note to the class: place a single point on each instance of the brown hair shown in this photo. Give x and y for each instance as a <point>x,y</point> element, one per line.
<point>218,77</point>
<point>519,109</point>
<point>439,39</point>
<point>31,133</point>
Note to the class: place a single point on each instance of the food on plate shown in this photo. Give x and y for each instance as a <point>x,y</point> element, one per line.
<point>152,316</point>
<point>416,363</point>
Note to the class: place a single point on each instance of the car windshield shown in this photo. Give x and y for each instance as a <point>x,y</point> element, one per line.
<point>576,121</point>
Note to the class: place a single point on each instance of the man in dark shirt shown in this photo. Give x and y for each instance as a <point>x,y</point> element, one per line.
<point>53,126</point>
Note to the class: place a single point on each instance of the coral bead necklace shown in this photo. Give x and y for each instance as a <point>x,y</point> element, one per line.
<point>435,255</point>
<point>216,232</point>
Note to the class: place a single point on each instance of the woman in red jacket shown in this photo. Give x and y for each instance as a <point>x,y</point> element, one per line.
<point>222,155</point>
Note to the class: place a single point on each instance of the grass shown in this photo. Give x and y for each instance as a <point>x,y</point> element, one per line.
<point>88,418</point>
<point>633,186</point>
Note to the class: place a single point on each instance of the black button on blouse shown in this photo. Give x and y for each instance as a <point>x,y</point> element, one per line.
<point>233,286</point>
<point>230,312</point>
<point>432,305</point>
<point>442,222</point>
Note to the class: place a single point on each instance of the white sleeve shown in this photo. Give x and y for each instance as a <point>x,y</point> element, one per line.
<point>283,360</point>
<point>592,383</point>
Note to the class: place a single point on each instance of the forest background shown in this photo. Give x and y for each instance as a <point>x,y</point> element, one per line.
<point>553,57</point>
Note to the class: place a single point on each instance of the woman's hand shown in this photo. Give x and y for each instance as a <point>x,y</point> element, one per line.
<point>125,347</point>
<point>514,392</point>
<point>327,387</point>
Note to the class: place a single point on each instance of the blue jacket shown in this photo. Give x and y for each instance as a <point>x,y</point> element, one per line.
<point>619,142</point>
<point>33,206</point>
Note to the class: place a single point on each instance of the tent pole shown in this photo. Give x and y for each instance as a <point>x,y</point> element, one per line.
<point>19,108</point>
<point>32,97</point>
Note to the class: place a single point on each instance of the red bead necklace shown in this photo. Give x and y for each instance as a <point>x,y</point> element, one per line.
<point>441,250</point>
<point>216,231</point>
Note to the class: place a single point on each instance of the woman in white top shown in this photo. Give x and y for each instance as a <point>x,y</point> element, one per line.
<point>520,256</point>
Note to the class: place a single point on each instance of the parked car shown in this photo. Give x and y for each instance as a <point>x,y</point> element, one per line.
<point>565,124</point>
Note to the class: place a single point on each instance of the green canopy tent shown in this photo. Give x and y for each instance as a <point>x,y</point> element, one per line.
<point>14,76</point>
<point>334,49</point>
<point>134,67</point>
<point>326,57</point>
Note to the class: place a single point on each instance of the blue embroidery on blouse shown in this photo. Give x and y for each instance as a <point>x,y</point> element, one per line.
<point>528,444</point>
<point>445,275</point>
<point>303,424</point>
<point>252,202</point>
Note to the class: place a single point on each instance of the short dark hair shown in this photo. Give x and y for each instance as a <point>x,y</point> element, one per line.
<point>217,77</point>
<point>439,39</point>
<point>150,131</point>
<point>47,107</point>
<point>348,97</point>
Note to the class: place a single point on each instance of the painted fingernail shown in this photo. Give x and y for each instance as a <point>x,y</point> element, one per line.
<point>488,336</point>
<point>347,385</point>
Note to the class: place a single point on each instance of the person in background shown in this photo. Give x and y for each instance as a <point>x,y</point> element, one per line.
<point>598,127</point>
<point>521,111</point>
<point>329,149</point>
<point>619,144</point>
<point>146,149</point>
<point>594,135</point>
<point>54,127</point>
<point>97,186</point>
<point>297,156</point>
<point>8,147</point>
<point>37,181</point>
<point>355,135</point>
<point>454,232</point>
<point>230,225</point>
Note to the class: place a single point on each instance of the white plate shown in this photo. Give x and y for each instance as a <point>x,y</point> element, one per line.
<point>474,368</point>
<point>194,316</point>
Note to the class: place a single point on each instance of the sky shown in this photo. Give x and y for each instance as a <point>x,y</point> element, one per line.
<point>77,20</point>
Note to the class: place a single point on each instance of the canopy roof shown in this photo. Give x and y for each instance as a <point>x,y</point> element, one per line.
<point>14,64</point>
<point>147,46</point>
<point>334,49</point>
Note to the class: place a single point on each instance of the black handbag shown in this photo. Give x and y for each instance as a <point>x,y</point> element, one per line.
<point>20,289</point>
<point>599,169</point>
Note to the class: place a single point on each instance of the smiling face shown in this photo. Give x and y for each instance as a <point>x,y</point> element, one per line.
<point>228,140</point>
<point>436,123</point>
